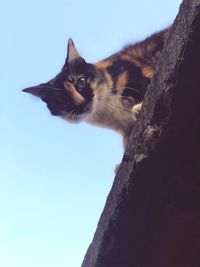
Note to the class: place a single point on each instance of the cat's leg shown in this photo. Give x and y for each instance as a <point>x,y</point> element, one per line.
<point>136,110</point>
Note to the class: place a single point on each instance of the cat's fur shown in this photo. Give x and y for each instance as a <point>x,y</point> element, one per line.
<point>108,93</point>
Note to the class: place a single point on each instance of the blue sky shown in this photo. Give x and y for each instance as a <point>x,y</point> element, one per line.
<point>55,176</point>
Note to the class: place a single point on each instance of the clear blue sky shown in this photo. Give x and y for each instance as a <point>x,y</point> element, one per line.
<point>55,176</point>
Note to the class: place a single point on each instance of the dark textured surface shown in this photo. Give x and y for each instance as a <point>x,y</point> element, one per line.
<point>152,214</point>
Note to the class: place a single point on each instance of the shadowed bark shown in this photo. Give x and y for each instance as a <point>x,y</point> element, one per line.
<point>152,214</point>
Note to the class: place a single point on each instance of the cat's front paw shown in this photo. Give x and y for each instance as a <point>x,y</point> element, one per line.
<point>136,110</point>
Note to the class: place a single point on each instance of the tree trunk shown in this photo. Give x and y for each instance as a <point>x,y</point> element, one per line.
<point>152,214</point>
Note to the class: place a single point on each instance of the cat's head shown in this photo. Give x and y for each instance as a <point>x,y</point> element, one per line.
<point>71,93</point>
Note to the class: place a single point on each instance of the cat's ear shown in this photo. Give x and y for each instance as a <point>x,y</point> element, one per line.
<point>72,53</point>
<point>42,90</point>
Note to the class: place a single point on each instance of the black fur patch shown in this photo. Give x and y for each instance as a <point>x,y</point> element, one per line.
<point>136,85</point>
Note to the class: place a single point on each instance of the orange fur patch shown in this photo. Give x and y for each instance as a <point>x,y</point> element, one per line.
<point>121,82</point>
<point>77,98</point>
<point>109,79</point>
<point>148,72</point>
<point>93,85</point>
<point>103,64</point>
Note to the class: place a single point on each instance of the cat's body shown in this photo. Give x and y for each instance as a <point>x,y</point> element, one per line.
<point>109,93</point>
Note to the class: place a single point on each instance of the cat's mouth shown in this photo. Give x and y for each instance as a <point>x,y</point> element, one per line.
<point>78,112</point>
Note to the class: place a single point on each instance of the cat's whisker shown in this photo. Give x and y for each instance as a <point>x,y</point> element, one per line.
<point>126,87</point>
<point>106,106</point>
<point>111,96</point>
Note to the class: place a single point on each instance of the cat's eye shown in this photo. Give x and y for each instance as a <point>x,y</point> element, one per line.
<point>81,83</point>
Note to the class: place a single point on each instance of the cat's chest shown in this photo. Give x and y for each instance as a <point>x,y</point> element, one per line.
<point>114,113</point>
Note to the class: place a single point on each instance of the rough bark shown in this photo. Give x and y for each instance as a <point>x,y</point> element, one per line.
<point>152,214</point>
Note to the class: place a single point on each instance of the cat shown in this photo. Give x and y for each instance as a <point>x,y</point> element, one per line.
<point>108,93</point>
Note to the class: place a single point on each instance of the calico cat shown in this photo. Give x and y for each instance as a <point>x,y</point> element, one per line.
<point>108,93</point>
